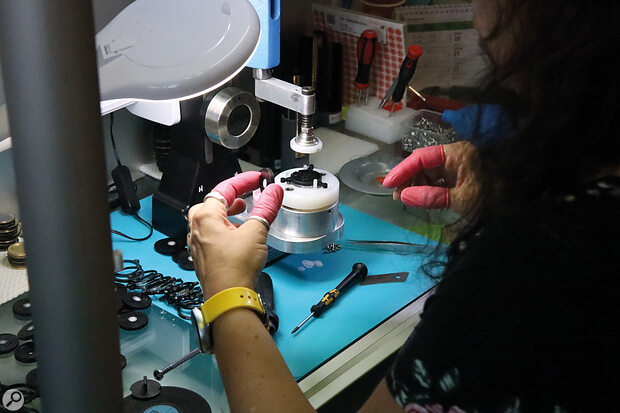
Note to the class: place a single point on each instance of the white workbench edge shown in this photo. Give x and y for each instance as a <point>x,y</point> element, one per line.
<point>357,359</point>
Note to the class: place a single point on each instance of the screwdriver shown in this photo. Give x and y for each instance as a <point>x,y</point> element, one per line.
<point>356,276</point>
<point>365,54</point>
<point>407,69</point>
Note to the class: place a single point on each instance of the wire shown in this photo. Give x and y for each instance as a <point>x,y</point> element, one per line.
<point>135,215</point>
<point>145,222</point>
<point>118,159</point>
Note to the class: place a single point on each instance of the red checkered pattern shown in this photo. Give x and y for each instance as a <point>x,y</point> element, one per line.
<point>385,66</point>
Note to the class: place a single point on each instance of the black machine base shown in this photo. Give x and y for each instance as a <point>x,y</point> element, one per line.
<point>193,167</point>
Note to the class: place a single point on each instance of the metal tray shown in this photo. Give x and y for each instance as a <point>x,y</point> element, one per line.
<point>364,174</point>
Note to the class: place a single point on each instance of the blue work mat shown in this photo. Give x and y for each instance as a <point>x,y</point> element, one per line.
<point>300,281</point>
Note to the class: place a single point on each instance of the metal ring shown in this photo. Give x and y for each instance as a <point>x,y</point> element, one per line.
<point>218,196</point>
<point>261,220</point>
<point>224,124</point>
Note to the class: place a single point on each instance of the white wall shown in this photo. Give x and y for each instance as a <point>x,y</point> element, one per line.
<point>133,141</point>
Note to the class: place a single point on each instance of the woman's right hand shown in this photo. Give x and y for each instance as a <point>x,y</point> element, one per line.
<point>436,177</point>
<point>226,255</point>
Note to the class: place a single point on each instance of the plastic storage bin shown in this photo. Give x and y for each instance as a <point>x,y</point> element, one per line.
<point>427,129</point>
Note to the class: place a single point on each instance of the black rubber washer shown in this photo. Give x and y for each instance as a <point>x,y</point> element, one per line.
<point>145,389</point>
<point>26,332</point>
<point>8,234</point>
<point>137,301</point>
<point>266,176</point>
<point>32,379</point>
<point>175,256</point>
<point>8,342</point>
<point>179,399</point>
<point>123,362</point>
<point>17,263</point>
<point>29,393</point>
<point>185,261</point>
<point>169,246</point>
<point>26,353</point>
<point>120,289</point>
<point>22,307</point>
<point>133,320</point>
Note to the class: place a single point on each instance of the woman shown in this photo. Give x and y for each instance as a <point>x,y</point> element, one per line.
<point>525,317</point>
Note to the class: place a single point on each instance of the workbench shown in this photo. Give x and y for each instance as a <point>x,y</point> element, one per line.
<point>365,326</point>
<point>329,353</point>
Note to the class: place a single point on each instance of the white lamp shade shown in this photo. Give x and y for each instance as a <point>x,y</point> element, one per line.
<point>174,49</point>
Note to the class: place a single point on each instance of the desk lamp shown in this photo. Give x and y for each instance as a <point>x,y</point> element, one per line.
<point>155,53</point>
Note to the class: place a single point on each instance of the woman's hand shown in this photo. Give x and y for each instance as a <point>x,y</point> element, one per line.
<point>436,177</point>
<point>225,255</point>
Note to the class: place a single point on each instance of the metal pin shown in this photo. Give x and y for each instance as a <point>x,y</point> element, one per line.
<point>302,323</point>
<point>411,89</point>
<point>333,247</point>
<point>159,374</point>
<point>383,101</point>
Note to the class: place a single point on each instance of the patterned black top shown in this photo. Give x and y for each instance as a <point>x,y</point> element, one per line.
<point>526,318</point>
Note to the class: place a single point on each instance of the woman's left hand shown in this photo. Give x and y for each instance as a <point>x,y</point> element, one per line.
<point>225,255</point>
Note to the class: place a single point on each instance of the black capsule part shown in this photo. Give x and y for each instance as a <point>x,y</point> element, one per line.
<point>26,332</point>
<point>22,308</point>
<point>8,342</point>
<point>26,353</point>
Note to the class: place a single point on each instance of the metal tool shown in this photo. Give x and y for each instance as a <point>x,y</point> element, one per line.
<point>159,373</point>
<point>333,247</point>
<point>357,274</point>
<point>393,277</point>
<point>295,98</point>
<point>407,69</point>
<point>387,94</point>
<point>418,94</point>
<point>398,247</point>
<point>365,54</point>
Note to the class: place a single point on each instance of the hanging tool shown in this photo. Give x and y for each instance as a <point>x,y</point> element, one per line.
<point>357,275</point>
<point>365,54</point>
<point>407,69</point>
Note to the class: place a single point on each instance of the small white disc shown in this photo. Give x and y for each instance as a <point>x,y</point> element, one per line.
<point>306,148</point>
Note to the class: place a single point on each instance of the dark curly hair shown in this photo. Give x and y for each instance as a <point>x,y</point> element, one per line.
<point>558,82</point>
<point>561,64</point>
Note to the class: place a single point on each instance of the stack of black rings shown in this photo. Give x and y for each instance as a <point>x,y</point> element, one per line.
<point>179,294</point>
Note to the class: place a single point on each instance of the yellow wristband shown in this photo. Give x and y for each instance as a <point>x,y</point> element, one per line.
<point>229,299</point>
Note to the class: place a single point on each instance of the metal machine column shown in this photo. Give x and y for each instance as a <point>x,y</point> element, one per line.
<point>50,79</point>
